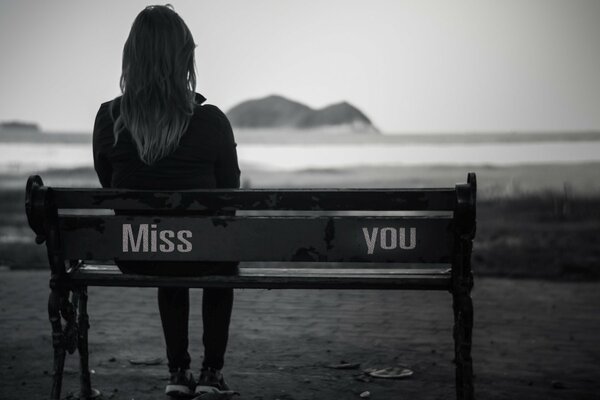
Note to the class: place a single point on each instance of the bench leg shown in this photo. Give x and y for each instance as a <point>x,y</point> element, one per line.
<point>86,391</point>
<point>463,328</point>
<point>58,342</point>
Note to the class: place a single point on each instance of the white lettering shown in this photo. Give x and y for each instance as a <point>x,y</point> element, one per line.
<point>141,241</point>
<point>153,238</point>
<point>167,245</point>
<point>390,238</point>
<point>186,246</point>
<point>393,237</point>
<point>370,239</point>
<point>413,239</point>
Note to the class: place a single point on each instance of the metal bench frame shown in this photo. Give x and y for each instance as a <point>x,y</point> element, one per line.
<point>70,277</point>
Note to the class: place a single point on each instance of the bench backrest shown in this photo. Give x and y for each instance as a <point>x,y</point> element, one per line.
<point>309,225</point>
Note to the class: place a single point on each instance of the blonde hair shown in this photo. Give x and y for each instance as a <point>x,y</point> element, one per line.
<point>158,83</point>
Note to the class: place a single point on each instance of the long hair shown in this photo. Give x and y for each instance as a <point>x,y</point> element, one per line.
<point>158,83</point>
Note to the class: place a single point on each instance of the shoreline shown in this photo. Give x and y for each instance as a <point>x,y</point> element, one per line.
<point>577,180</point>
<point>332,136</point>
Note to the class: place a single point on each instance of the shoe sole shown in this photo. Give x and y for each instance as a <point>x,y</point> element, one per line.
<point>178,391</point>
<point>206,389</point>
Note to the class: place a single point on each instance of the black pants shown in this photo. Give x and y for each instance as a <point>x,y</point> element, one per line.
<point>174,307</point>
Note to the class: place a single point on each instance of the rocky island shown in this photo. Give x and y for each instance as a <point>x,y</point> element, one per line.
<point>19,126</point>
<point>275,112</point>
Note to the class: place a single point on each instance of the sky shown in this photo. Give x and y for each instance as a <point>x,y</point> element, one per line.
<point>411,66</point>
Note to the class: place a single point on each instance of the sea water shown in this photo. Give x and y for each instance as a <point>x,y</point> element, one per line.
<point>31,157</point>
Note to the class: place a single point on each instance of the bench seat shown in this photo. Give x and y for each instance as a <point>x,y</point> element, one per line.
<point>276,278</point>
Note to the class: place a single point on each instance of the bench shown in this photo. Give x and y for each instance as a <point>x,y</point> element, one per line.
<point>337,238</point>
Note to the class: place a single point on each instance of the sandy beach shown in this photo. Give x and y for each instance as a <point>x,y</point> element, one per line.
<point>281,342</point>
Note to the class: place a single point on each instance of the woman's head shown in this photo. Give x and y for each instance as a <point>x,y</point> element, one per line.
<point>158,81</point>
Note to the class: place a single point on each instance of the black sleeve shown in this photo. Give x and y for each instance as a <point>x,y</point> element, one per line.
<point>227,169</point>
<point>101,141</point>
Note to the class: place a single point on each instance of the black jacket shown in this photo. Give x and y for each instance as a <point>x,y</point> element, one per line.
<point>206,157</point>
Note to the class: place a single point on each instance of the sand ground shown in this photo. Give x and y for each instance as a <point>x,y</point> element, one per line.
<point>532,340</point>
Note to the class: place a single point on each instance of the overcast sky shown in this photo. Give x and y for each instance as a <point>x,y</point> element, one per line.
<point>411,66</point>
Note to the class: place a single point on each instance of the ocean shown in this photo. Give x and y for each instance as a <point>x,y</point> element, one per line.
<point>294,152</point>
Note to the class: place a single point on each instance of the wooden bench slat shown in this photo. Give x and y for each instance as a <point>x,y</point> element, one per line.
<point>256,271</point>
<point>274,278</point>
<point>258,199</point>
<point>311,239</point>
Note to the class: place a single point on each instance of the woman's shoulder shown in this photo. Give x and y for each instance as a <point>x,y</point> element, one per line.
<point>109,110</point>
<point>211,114</point>
<point>206,110</point>
<point>109,103</point>
<point>210,124</point>
<point>104,123</point>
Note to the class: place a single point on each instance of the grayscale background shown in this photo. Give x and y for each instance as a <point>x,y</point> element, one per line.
<point>509,90</point>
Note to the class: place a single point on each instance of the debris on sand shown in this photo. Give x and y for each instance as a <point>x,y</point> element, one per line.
<point>389,373</point>
<point>218,395</point>
<point>363,378</point>
<point>344,365</point>
<point>146,361</point>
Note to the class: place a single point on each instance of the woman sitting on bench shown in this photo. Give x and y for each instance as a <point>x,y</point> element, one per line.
<point>158,135</point>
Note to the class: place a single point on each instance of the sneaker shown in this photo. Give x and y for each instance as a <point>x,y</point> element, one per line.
<point>181,384</point>
<point>211,381</point>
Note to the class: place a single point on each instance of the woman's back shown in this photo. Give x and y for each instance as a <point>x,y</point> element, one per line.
<point>205,157</point>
